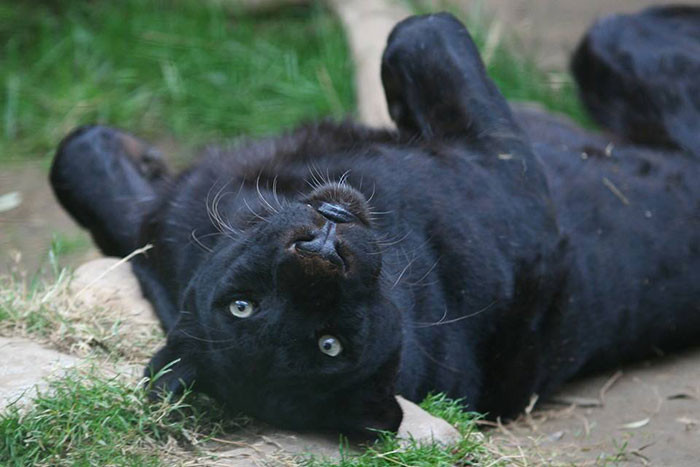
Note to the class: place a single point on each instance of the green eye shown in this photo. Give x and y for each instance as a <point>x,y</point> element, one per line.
<point>330,345</point>
<point>241,308</point>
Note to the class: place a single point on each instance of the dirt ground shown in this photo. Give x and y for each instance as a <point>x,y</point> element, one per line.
<point>647,414</point>
<point>548,30</point>
<point>643,414</point>
<point>28,228</point>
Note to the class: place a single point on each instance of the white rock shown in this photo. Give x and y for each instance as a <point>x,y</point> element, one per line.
<point>110,284</point>
<point>423,427</point>
<point>25,366</point>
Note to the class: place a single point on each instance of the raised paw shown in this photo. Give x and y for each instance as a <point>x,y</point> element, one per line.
<point>106,179</point>
<point>436,84</point>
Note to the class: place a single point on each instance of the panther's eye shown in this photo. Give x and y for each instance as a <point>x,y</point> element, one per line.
<point>241,308</point>
<point>330,346</point>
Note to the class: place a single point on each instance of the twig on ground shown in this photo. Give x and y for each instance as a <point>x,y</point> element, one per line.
<point>608,384</point>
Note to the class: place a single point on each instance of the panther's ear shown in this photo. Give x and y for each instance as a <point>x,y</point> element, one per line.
<point>172,369</point>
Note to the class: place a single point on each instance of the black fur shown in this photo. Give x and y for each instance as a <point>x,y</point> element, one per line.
<point>639,76</point>
<point>479,252</point>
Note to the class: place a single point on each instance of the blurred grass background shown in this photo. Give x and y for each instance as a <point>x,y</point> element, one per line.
<point>190,72</point>
<point>195,71</point>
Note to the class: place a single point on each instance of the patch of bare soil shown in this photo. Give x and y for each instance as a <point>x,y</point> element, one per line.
<point>645,414</point>
<point>31,217</point>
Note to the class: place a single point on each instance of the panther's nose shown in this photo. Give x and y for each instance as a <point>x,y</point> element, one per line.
<point>323,244</point>
<point>336,213</point>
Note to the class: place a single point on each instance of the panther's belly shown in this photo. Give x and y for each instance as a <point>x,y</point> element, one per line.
<point>632,216</point>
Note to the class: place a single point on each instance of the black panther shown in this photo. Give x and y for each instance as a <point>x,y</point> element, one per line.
<point>480,251</point>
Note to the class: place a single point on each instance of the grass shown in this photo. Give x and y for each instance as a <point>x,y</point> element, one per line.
<point>45,308</point>
<point>189,70</point>
<point>194,72</point>
<point>389,451</point>
<point>65,244</point>
<point>78,418</point>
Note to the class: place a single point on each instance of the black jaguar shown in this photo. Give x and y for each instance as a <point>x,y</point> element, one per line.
<point>486,252</point>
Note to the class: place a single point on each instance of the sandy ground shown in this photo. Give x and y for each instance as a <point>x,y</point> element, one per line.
<point>643,414</point>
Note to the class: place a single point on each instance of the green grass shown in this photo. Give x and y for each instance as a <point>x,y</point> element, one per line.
<point>65,244</point>
<point>193,71</point>
<point>388,451</point>
<point>190,70</point>
<point>87,419</point>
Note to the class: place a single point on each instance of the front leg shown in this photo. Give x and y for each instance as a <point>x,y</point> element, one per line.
<point>436,84</point>
<point>173,369</point>
<point>108,181</point>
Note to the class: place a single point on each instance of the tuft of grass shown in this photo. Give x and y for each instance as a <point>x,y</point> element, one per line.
<point>84,418</point>
<point>454,411</point>
<point>195,71</point>
<point>390,451</point>
<point>66,244</point>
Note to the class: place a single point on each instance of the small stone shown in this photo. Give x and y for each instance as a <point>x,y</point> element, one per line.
<point>423,427</point>
<point>110,283</point>
<point>609,149</point>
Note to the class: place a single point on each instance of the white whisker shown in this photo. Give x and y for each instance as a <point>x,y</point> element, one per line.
<point>193,235</point>
<point>262,198</point>
<point>443,321</point>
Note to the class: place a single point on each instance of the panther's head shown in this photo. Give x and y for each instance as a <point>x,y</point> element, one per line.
<point>290,321</point>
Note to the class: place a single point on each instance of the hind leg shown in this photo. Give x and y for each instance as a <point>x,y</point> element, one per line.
<point>437,87</point>
<point>107,180</point>
<point>638,76</point>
